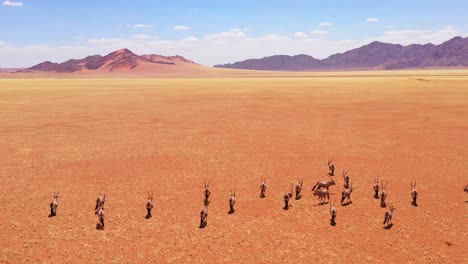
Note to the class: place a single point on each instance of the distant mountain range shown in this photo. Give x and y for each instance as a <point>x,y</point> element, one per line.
<point>374,56</point>
<point>120,60</point>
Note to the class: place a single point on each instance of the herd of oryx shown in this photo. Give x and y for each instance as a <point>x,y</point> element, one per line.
<point>320,190</point>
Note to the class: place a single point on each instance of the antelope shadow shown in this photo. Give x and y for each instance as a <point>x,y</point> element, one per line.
<point>389,226</point>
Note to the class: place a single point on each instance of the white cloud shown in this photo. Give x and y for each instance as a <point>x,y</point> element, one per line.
<point>217,48</point>
<point>180,27</point>
<point>300,35</point>
<point>142,26</point>
<point>418,36</point>
<point>191,38</point>
<point>319,32</point>
<point>325,24</point>
<point>143,37</point>
<point>372,20</point>
<point>11,3</point>
<point>2,43</point>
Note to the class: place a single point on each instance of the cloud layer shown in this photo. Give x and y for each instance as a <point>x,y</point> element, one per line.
<point>217,48</point>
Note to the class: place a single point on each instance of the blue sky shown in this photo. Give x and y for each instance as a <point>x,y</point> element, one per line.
<point>211,32</point>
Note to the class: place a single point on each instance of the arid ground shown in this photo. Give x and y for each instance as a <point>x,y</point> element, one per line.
<point>124,137</point>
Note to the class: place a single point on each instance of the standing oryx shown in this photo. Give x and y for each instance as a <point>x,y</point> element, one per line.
<point>322,195</point>
<point>54,205</point>
<point>388,217</point>
<point>383,195</point>
<point>287,197</point>
<point>376,187</point>
<point>149,205</point>
<point>346,194</point>
<point>346,179</point>
<point>299,185</point>
<point>100,211</point>
<point>100,202</point>
<point>207,193</point>
<point>232,201</point>
<point>414,193</point>
<point>333,213</point>
<point>263,187</point>
<point>204,216</point>
<point>324,184</point>
<point>331,167</point>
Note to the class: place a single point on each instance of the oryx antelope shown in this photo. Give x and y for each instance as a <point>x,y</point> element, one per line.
<point>333,213</point>
<point>149,205</point>
<point>204,217</point>
<point>54,205</point>
<point>100,202</point>
<point>414,193</point>
<point>322,195</point>
<point>287,197</point>
<point>100,211</point>
<point>299,185</point>
<point>376,187</point>
<point>346,194</point>
<point>207,191</point>
<point>331,167</point>
<point>383,195</point>
<point>263,187</point>
<point>388,216</point>
<point>466,188</point>
<point>232,201</point>
<point>324,184</point>
<point>346,179</point>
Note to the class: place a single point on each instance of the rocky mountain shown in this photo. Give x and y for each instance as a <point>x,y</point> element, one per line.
<point>376,55</point>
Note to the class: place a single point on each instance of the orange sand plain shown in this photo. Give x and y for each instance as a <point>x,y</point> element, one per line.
<point>126,136</point>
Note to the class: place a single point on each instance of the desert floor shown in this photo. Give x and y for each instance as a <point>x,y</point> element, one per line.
<point>124,137</point>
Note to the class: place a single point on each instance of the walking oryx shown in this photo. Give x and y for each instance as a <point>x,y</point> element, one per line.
<point>331,167</point>
<point>149,205</point>
<point>346,194</point>
<point>287,197</point>
<point>346,179</point>
<point>324,184</point>
<point>299,185</point>
<point>376,187</point>
<point>333,213</point>
<point>54,205</point>
<point>383,195</point>
<point>322,195</point>
<point>204,216</point>
<point>414,194</point>
<point>263,187</point>
<point>232,201</point>
<point>388,216</point>
<point>100,202</point>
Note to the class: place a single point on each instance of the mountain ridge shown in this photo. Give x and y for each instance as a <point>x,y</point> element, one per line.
<point>373,56</point>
